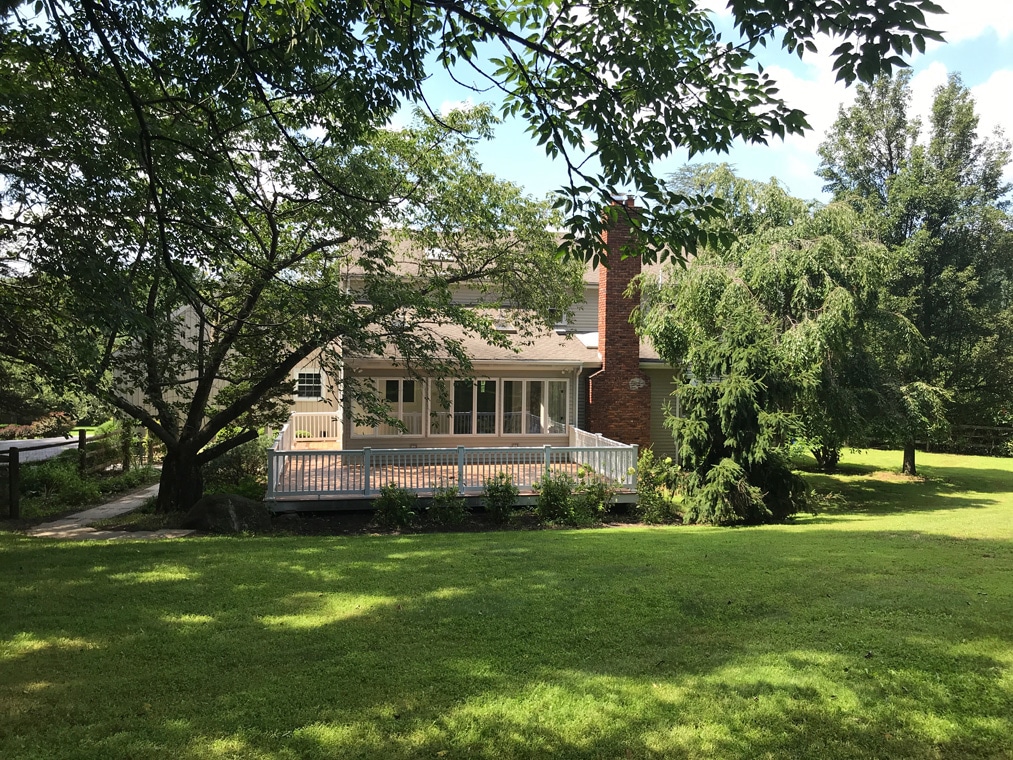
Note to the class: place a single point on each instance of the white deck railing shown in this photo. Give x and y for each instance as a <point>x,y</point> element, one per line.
<point>314,426</point>
<point>321,474</point>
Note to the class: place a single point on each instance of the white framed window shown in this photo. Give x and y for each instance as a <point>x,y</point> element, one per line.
<point>309,385</point>
<point>482,407</point>
<point>470,409</point>
<point>535,407</point>
<point>404,401</point>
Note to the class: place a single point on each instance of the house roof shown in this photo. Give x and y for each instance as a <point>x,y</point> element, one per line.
<point>647,351</point>
<point>542,348</point>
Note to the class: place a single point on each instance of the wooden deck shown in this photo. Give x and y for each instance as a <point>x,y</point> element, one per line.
<point>303,472</point>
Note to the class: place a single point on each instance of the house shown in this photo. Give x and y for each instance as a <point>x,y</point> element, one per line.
<point>592,373</point>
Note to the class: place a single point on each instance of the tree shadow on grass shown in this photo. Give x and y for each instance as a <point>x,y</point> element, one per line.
<point>897,495</point>
<point>640,643</point>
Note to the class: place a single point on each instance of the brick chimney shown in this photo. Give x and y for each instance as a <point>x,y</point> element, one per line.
<point>619,394</point>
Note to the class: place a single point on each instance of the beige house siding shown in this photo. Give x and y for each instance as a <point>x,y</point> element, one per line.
<point>661,389</point>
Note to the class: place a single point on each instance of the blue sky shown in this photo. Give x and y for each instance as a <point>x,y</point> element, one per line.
<point>979,46</point>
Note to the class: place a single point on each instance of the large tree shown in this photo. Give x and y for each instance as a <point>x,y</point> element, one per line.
<point>940,205</point>
<point>228,159</point>
<point>776,338</point>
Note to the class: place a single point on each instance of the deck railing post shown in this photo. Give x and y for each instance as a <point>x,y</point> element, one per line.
<point>548,457</point>
<point>365,471</point>
<point>271,481</point>
<point>636,458</point>
<point>460,467</point>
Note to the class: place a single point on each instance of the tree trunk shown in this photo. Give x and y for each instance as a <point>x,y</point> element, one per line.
<point>181,484</point>
<point>827,457</point>
<point>909,459</point>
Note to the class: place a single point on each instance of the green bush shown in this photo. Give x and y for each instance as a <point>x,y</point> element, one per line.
<point>129,480</point>
<point>563,500</point>
<point>656,478</point>
<point>500,497</point>
<point>555,498</point>
<point>595,494</point>
<point>396,508</point>
<point>242,470</point>
<point>447,507</point>
<point>58,480</point>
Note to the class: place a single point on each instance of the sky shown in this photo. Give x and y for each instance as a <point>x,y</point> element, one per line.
<point>979,46</point>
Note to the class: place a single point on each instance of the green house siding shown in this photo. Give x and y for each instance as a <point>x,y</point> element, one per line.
<point>663,443</point>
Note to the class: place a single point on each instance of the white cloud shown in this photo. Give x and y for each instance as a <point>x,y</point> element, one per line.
<point>969,19</point>
<point>716,7</point>
<point>923,88</point>
<point>993,101</point>
<point>455,105</point>
<point>817,92</point>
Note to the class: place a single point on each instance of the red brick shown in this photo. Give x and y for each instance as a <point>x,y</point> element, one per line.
<point>619,394</point>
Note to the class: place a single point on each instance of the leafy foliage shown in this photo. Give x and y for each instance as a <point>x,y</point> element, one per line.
<point>565,500</point>
<point>396,508</point>
<point>241,470</point>
<point>446,507</point>
<point>939,203</point>
<point>777,338</point>
<point>499,496</point>
<point>655,502</point>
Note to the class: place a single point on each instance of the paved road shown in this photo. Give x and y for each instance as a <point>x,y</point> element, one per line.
<point>38,456</point>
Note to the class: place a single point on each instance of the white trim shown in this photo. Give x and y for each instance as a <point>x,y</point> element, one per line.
<point>309,371</point>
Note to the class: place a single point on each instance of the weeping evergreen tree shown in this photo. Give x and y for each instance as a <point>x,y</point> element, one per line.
<point>777,341</point>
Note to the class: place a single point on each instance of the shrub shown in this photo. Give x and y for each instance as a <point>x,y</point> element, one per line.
<point>655,485</point>
<point>126,481</point>
<point>563,500</point>
<point>396,508</point>
<point>500,496</point>
<point>595,494</point>
<point>242,471</point>
<point>58,480</point>
<point>447,506</point>
<point>48,426</point>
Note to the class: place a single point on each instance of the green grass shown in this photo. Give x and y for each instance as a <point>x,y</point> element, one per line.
<point>884,630</point>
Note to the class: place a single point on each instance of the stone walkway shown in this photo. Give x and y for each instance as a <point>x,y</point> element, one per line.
<point>76,527</point>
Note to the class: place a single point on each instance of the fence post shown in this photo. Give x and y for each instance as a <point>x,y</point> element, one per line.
<point>82,451</point>
<point>14,481</point>
<point>126,445</point>
<point>460,468</point>
<point>636,459</point>
<point>548,457</point>
<point>365,471</point>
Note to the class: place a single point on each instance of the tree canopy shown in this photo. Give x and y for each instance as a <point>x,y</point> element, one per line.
<point>231,160</point>
<point>776,339</point>
<point>939,202</point>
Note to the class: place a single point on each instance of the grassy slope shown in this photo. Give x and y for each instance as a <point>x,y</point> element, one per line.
<point>882,631</point>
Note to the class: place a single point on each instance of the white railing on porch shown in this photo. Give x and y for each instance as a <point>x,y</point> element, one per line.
<point>320,474</point>
<point>313,426</point>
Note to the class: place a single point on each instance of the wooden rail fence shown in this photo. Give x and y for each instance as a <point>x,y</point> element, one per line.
<point>12,458</point>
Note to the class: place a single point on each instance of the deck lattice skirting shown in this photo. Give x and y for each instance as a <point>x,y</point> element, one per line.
<point>296,474</point>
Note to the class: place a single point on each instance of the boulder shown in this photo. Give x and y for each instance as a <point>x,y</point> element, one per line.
<point>228,513</point>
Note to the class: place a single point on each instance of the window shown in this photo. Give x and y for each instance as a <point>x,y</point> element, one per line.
<point>403,403</point>
<point>472,408</point>
<point>309,385</point>
<point>532,407</point>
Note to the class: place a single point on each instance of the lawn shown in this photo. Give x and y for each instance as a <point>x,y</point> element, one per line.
<point>883,629</point>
